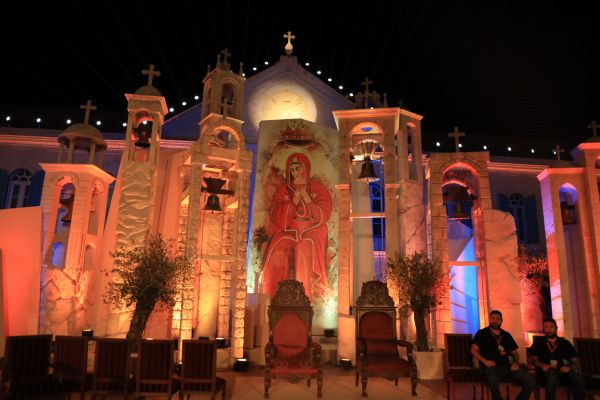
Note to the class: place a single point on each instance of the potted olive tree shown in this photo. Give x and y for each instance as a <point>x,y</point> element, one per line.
<point>148,276</point>
<point>420,283</point>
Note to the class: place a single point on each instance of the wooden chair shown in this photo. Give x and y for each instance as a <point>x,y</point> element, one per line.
<point>459,364</point>
<point>70,364</point>
<point>154,369</point>
<point>199,369</point>
<point>589,360</point>
<point>376,340</point>
<point>290,351</point>
<point>112,364</point>
<point>26,369</point>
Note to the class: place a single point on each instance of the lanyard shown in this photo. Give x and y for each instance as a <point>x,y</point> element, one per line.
<point>552,348</point>
<point>498,338</point>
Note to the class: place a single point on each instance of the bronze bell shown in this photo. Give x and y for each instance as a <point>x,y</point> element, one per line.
<point>456,210</point>
<point>567,213</point>
<point>367,171</point>
<point>212,204</point>
<point>455,199</point>
<point>142,140</point>
<point>68,205</point>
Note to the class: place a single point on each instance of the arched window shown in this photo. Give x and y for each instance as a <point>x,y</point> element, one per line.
<point>18,188</point>
<point>519,212</point>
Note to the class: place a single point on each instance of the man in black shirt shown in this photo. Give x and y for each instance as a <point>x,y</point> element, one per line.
<point>496,349</point>
<point>555,359</point>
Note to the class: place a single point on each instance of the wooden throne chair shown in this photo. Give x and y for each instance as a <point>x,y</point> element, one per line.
<point>290,352</point>
<point>376,341</point>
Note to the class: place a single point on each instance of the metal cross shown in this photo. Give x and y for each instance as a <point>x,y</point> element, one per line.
<point>226,54</point>
<point>87,107</point>
<point>289,47</point>
<point>151,74</point>
<point>366,84</point>
<point>593,127</point>
<point>456,134</point>
<point>557,151</point>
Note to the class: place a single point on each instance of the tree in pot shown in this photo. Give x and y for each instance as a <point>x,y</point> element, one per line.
<point>146,276</point>
<point>420,283</point>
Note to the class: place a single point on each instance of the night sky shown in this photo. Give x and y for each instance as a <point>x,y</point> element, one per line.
<point>524,74</point>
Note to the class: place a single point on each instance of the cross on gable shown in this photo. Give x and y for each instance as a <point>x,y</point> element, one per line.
<point>87,107</point>
<point>593,126</point>
<point>456,135</point>
<point>226,54</point>
<point>557,151</point>
<point>366,84</point>
<point>289,47</point>
<point>151,72</point>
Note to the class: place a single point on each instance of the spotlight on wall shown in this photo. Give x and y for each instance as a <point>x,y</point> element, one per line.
<point>241,365</point>
<point>346,364</point>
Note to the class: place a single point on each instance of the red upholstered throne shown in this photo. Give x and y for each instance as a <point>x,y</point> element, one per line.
<point>376,342</point>
<point>290,352</point>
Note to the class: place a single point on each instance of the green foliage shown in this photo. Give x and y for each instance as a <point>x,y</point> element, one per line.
<point>149,275</point>
<point>420,284</point>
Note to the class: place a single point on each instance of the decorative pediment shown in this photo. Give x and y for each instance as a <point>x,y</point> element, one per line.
<point>374,294</point>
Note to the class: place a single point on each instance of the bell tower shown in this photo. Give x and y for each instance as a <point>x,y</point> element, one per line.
<point>74,199</point>
<point>223,89</point>
<point>136,183</point>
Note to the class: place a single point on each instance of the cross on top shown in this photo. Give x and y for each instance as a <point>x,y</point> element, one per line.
<point>366,84</point>
<point>557,151</point>
<point>456,135</point>
<point>151,72</point>
<point>87,107</point>
<point>593,126</point>
<point>289,47</point>
<point>226,54</point>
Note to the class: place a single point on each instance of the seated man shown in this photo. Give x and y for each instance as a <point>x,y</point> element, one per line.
<point>496,349</point>
<point>555,359</point>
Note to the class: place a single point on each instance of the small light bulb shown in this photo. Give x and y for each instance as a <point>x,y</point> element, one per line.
<point>196,97</point>
<point>243,74</point>
<point>340,87</point>
<point>371,108</point>
<point>266,63</point>
<point>509,148</point>
<point>319,72</point>
<point>98,123</point>
<point>307,64</point>
<point>460,145</point>
<point>145,122</point>
<point>484,147</point>
<point>68,121</point>
<point>184,103</point>
<point>351,94</point>
<point>554,152</point>
<point>171,109</point>
<point>124,124</point>
<point>329,79</point>
<point>532,151</point>
<point>7,118</point>
<point>38,120</point>
<point>254,68</point>
<point>437,144</point>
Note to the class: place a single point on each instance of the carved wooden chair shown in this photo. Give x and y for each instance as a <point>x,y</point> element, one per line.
<point>154,369</point>
<point>459,364</point>
<point>376,340</point>
<point>199,369</point>
<point>112,366</point>
<point>26,368</point>
<point>70,364</point>
<point>589,360</point>
<point>290,351</point>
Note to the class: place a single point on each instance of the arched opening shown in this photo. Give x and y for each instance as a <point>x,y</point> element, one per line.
<point>64,212</point>
<point>95,211</point>
<point>228,98</point>
<point>141,136</point>
<point>460,184</point>
<point>413,163</point>
<point>58,255</point>
<point>19,184</point>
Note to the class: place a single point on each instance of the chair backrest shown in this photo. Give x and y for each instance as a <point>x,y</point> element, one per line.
<point>111,364</point>
<point>27,358</point>
<point>375,312</point>
<point>589,354</point>
<point>458,350</point>
<point>199,364</point>
<point>290,319</point>
<point>155,364</point>
<point>70,357</point>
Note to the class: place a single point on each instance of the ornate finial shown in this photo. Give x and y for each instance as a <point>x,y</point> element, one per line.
<point>593,126</point>
<point>557,151</point>
<point>385,104</point>
<point>151,74</point>
<point>456,134</point>
<point>289,47</point>
<point>241,69</point>
<point>208,69</point>
<point>218,60</point>
<point>87,107</point>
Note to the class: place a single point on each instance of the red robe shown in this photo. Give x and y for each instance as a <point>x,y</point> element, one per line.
<point>297,249</point>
